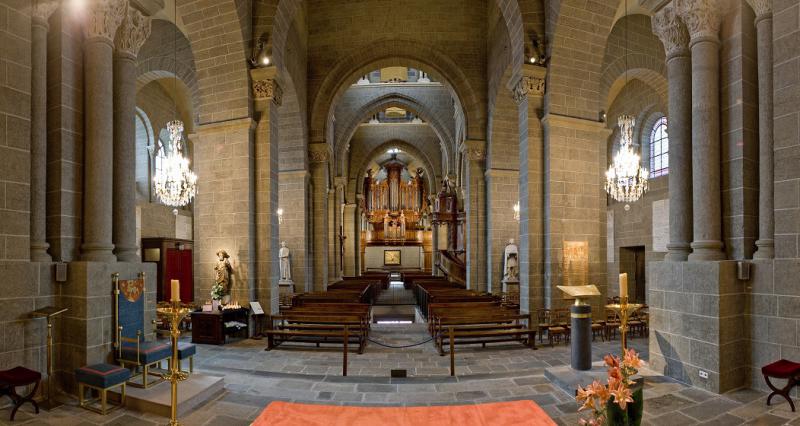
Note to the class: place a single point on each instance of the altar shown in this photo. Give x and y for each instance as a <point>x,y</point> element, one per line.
<point>394,257</point>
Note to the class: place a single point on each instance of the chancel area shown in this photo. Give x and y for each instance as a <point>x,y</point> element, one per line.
<point>409,212</point>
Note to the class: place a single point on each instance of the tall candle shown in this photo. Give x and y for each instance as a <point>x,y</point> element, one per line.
<point>176,291</point>
<point>623,285</point>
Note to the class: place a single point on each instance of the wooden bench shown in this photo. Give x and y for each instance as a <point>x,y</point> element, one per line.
<point>487,323</point>
<point>343,333</point>
<point>317,329</point>
<point>468,336</point>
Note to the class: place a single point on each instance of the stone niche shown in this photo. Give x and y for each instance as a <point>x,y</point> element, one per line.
<point>697,323</point>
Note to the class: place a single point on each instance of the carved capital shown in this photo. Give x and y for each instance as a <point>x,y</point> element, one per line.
<point>672,32</point>
<point>135,29</point>
<point>41,11</point>
<point>475,150</point>
<point>319,153</point>
<point>763,8</point>
<point>528,86</point>
<point>340,182</point>
<point>104,18</point>
<point>267,89</point>
<point>702,17</point>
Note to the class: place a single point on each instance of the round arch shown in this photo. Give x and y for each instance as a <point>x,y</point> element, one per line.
<point>396,52</point>
<point>447,143</point>
<point>405,146</point>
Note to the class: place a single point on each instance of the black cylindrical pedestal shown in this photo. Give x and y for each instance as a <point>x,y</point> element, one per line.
<point>581,337</point>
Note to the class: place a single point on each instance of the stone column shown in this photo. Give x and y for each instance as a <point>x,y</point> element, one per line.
<point>333,233</point>
<point>132,33</point>
<point>267,98</point>
<point>702,18</point>
<point>40,13</point>
<point>529,93</point>
<point>434,241</point>
<point>673,34</point>
<point>351,233</point>
<point>319,155</point>
<point>766,166</point>
<point>475,206</point>
<point>340,184</point>
<point>103,17</point>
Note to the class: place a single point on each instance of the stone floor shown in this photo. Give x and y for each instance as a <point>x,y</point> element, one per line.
<point>254,377</point>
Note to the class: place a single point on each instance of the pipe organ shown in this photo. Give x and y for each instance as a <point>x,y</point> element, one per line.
<point>395,205</point>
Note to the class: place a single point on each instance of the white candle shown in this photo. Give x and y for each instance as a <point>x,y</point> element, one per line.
<point>176,291</point>
<point>623,285</point>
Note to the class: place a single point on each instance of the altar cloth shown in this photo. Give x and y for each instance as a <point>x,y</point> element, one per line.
<point>513,413</point>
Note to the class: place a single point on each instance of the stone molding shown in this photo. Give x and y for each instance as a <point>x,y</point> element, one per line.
<point>289,174</point>
<point>763,8</point>
<point>502,173</point>
<point>319,153</point>
<point>133,32</point>
<point>475,150</point>
<point>41,12</point>
<point>267,89</point>
<point>104,18</point>
<point>703,18</point>
<point>574,123</point>
<point>528,86</point>
<point>340,182</point>
<point>672,32</point>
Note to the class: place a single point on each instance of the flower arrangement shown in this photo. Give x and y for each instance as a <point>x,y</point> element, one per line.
<point>601,398</point>
<point>217,291</point>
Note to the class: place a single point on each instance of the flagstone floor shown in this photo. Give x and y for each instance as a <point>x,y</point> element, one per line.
<point>254,377</point>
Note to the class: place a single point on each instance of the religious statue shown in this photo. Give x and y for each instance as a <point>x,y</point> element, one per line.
<point>511,262</point>
<point>285,265</point>
<point>222,276</point>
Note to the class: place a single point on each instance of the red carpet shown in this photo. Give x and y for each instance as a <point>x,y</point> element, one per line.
<point>495,414</point>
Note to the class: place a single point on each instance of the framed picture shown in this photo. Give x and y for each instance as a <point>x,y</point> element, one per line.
<point>391,257</point>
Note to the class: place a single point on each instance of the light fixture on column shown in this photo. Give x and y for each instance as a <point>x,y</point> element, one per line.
<point>261,56</point>
<point>516,211</point>
<point>279,212</point>
<point>175,184</point>
<point>626,179</point>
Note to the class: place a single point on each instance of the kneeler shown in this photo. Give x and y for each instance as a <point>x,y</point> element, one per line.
<point>782,369</point>
<point>19,376</point>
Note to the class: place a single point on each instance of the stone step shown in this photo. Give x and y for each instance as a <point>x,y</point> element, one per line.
<point>194,392</point>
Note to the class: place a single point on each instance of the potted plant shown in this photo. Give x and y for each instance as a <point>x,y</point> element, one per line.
<point>217,292</point>
<point>620,401</point>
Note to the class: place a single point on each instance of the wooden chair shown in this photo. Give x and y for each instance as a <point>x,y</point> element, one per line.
<point>636,325</point>
<point>598,327</point>
<point>782,369</point>
<point>612,324</point>
<point>543,320</point>
<point>18,377</point>
<point>559,327</point>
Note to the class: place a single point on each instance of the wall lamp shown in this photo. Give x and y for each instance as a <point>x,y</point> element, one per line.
<point>280,215</point>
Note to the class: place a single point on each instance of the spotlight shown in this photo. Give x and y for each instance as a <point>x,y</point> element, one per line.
<point>261,57</point>
<point>533,59</point>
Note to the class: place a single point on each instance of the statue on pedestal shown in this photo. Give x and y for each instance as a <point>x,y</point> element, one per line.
<point>285,264</point>
<point>510,265</point>
<point>222,277</point>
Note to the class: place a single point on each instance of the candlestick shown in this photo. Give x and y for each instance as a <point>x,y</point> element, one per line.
<point>175,375</point>
<point>623,285</point>
<point>624,311</point>
<point>176,291</point>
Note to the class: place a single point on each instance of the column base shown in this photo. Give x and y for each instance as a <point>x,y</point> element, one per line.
<point>98,253</point>
<point>765,250</point>
<point>127,254</point>
<point>706,251</point>
<point>39,252</point>
<point>678,252</point>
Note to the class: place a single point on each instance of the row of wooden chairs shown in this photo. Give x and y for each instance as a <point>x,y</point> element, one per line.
<point>556,323</point>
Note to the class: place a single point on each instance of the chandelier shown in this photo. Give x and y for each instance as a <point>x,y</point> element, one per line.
<point>626,179</point>
<point>175,184</point>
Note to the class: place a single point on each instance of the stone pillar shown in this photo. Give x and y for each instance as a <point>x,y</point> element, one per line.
<point>434,241</point>
<point>40,13</point>
<point>333,232</point>
<point>103,19</point>
<point>766,167</point>
<point>267,97</point>
<point>338,214</point>
<point>673,34</point>
<point>319,155</point>
<point>528,93</point>
<point>351,234</point>
<point>132,33</point>
<point>702,18</point>
<point>475,206</point>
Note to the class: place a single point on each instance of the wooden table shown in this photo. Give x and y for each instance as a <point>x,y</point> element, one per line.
<point>209,327</point>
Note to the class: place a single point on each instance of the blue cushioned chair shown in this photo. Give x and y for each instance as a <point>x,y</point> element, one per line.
<point>186,350</point>
<point>101,377</point>
<point>132,350</point>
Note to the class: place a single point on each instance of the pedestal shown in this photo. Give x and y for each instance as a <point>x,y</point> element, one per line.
<point>581,336</point>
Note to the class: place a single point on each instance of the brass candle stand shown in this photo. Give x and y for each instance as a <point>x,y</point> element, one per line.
<point>175,313</point>
<point>624,311</point>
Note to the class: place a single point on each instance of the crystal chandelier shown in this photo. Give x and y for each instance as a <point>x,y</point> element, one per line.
<point>175,184</point>
<point>626,179</point>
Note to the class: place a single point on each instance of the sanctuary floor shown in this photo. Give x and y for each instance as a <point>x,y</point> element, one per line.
<point>253,378</point>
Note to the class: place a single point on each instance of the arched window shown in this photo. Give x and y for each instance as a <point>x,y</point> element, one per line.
<point>659,149</point>
<point>160,153</point>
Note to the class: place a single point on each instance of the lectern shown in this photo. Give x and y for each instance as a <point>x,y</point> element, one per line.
<point>49,312</point>
<point>581,330</point>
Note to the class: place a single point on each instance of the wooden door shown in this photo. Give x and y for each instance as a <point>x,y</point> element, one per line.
<point>179,267</point>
